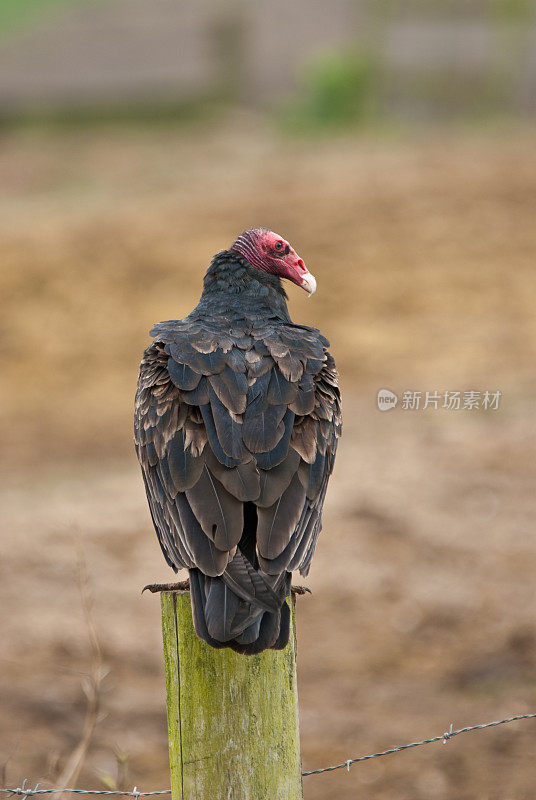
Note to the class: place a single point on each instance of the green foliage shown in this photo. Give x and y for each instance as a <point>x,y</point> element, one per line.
<point>15,13</point>
<point>340,89</point>
<point>512,11</point>
<point>128,114</point>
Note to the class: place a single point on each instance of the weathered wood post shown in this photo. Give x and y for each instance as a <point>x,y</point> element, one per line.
<point>232,719</point>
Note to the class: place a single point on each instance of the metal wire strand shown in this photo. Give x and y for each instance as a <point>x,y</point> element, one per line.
<point>24,791</point>
<point>444,737</point>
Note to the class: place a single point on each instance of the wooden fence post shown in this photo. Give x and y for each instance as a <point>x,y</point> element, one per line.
<point>232,719</point>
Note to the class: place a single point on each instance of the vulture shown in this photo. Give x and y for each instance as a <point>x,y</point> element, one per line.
<point>237,417</point>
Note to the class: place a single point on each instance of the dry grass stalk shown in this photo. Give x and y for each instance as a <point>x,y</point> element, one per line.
<point>91,684</point>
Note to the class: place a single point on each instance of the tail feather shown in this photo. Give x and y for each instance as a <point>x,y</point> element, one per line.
<point>225,619</point>
<point>220,610</point>
<point>251,633</point>
<point>198,600</point>
<point>251,585</point>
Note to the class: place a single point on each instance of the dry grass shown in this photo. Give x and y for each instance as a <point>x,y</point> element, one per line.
<point>423,609</point>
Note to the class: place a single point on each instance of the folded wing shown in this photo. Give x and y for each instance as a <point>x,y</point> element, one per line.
<point>236,433</point>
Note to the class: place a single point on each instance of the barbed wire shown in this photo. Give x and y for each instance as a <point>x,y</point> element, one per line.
<point>25,791</point>
<point>444,737</point>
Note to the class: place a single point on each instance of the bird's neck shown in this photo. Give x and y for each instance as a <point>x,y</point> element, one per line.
<point>231,282</point>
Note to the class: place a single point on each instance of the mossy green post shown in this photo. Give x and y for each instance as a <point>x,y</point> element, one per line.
<point>232,719</point>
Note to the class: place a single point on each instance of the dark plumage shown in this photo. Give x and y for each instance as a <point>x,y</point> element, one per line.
<point>236,425</point>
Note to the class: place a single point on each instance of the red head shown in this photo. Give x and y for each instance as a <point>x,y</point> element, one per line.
<point>271,253</point>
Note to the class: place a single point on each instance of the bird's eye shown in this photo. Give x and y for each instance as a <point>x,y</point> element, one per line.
<point>278,245</point>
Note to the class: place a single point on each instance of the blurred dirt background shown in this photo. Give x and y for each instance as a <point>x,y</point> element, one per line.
<point>423,602</point>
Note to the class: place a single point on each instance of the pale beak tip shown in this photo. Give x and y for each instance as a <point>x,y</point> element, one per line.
<point>309,284</point>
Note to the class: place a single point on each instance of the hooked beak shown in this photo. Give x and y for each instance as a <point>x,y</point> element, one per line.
<point>299,274</point>
<point>309,283</point>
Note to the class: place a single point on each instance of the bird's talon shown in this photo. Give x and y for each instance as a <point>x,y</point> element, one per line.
<point>179,586</point>
<point>300,589</point>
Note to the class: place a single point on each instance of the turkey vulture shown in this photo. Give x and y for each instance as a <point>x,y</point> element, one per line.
<point>236,424</point>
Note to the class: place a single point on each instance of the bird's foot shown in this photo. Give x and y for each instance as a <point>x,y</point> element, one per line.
<point>180,586</point>
<point>300,589</point>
